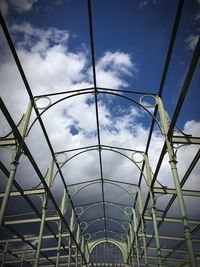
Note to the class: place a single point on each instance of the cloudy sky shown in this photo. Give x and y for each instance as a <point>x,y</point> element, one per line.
<point>131,39</point>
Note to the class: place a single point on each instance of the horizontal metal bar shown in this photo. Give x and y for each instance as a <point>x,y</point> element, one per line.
<point>106,264</point>
<point>171,220</point>
<point>65,92</point>
<point>31,238</point>
<point>169,259</point>
<point>27,251</point>
<point>186,140</point>
<point>100,202</point>
<point>41,259</point>
<point>115,264</point>
<point>71,264</point>
<point>7,142</point>
<point>126,91</point>
<point>34,220</point>
<point>27,192</point>
<point>172,191</point>
<point>171,250</point>
<point>167,237</point>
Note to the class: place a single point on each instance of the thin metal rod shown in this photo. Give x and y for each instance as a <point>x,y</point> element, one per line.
<point>162,83</point>
<point>185,87</point>
<point>96,104</point>
<point>153,211</point>
<point>140,202</point>
<point>39,245</point>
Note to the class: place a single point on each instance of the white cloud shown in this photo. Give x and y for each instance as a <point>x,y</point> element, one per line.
<point>197,17</point>
<point>4,7</point>
<point>191,41</point>
<point>192,38</point>
<point>112,66</point>
<point>38,40</point>
<point>192,127</point>
<point>51,67</point>
<point>22,5</point>
<point>144,3</point>
<point>19,5</point>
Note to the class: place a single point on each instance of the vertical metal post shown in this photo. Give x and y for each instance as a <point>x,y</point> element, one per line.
<point>153,210</point>
<point>131,242</point>
<point>132,257</point>
<point>59,243</point>
<point>82,248</point>
<point>135,223</point>
<point>173,165</point>
<point>76,260</point>
<point>14,164</point>
<point>69,250</point>
<point>63,209</point>
<point>86,253</point>
<point>77,240</point>
<point>44,209</point>
<point>69,239</point>
<point>22,259</point>
<point>4,253</point>
<point>143,226</point>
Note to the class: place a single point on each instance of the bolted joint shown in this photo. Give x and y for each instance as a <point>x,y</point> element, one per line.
<point>15,162</point>
<point>173,161</point>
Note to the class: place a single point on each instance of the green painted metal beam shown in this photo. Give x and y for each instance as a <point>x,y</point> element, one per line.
<point>192,193</point>
<point>7,142</point>
<point>35,220</point>
<point>187,140</point>
<point>31,238</point>
<point>171,220</point>
<point>27,192</point>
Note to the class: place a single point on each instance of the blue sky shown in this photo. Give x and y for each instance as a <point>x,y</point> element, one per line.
<point>131,39</point>
<point>141,29</point>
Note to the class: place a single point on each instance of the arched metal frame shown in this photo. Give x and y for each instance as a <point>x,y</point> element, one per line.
<point>118,244</point>
<point>100,92</point>
<point>138,241</point>
<point>102,148</point>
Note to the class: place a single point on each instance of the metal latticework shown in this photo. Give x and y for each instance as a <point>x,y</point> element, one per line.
<point>109,218</point>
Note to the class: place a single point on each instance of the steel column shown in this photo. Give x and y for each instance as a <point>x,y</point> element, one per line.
<point>16,156</point>
<point>153,210</point>
<point>135,225</point>
<point>173,164</point>
<point>63,209</point>
<point>140,201</point>
<point>44,209</point>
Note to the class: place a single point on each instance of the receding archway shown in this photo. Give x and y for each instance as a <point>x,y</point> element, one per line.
<point>107,253</point>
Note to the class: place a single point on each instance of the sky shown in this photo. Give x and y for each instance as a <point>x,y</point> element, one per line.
<point>131,40</point>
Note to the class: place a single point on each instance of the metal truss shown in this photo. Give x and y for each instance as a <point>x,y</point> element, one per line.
<point>64,237</point>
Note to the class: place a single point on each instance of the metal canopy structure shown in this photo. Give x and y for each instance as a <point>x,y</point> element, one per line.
<point>100,221</point>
